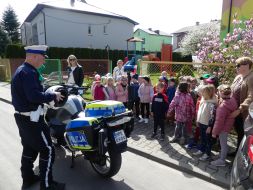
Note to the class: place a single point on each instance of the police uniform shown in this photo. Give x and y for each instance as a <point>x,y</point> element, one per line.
<point>27,95</point>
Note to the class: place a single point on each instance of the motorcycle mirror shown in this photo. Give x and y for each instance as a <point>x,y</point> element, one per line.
<point>251,110</point>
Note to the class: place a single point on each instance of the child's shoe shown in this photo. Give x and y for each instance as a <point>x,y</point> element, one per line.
<point>198,153</point>
<point>205,157</point>
<point>182,141</point>
<point>218,163</point>
<point>153,135</point>
<point>173,139</point>
<point>141,120</point>
<point>162,137</point>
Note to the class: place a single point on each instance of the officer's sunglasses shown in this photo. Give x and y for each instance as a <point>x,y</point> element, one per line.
<point>239,65</point>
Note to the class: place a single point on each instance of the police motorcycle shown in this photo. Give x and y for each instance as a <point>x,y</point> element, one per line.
<point>98,129</point>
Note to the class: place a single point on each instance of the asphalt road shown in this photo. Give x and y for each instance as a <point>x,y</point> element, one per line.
<point>137,173</point>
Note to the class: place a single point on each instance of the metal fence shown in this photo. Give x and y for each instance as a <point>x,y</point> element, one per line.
<point>225,72</point>
<point>52,65</point>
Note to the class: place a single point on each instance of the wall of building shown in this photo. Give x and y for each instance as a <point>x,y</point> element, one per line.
<point>153,43</point>
<point>33,33</point>
<point>71,29</point>
<point>242,8</point>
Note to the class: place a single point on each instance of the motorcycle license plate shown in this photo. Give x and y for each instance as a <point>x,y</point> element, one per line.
<point>119,136</point>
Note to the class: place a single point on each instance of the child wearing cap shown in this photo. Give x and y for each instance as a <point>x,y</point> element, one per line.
<point>134,97</point>
<point>146,94</point>
<point>223,122</point>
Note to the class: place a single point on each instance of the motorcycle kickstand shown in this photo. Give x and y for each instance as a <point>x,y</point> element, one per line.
<point>73,155</point>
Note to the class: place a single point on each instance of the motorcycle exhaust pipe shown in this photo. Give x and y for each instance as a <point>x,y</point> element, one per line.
<point>102,141</point>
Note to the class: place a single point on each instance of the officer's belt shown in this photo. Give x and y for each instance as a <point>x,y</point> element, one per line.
<point>27,113</point>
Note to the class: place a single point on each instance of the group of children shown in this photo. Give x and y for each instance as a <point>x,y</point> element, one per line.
<point>206,106</point>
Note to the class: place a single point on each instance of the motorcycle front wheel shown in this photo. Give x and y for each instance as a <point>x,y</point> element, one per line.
<point>110,165</point>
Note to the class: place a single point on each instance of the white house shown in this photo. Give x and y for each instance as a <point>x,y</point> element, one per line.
<point>76,24</point>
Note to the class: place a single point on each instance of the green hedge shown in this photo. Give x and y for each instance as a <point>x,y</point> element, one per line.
<point>17,51</point>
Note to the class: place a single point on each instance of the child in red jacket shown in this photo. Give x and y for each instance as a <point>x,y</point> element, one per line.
<point>223,122</point>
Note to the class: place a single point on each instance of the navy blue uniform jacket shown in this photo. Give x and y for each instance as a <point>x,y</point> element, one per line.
<point>26,89</point>
<point>160,105</point>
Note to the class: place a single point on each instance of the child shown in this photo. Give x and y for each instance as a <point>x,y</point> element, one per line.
<point>205,120</point>
<point>194,141</point>
<point>164,74</point>
<point>134,98</point>
<point>164,80</point>
<point>223,122</point>
<point>99,91</point>
<point>96,78</point>
<point>159,109</point>
<point>121,91</point>
<point>182,105</point>
<point>171,89</point>
<point>110,89</point>
<point>145,93</point>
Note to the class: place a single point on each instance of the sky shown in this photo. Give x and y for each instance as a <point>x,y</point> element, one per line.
<point>164,15</point>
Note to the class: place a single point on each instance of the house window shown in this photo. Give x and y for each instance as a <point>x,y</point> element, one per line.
<point>105,29</point>
<point>89,30</point>
<point>143,41</point>
<point>35,38</point>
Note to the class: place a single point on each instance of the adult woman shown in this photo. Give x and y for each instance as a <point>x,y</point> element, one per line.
<point>75,70</point>
<point>118,71</point>
<point>242,91</point>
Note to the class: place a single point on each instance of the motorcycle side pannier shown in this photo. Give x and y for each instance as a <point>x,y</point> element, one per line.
<point>80,133</point>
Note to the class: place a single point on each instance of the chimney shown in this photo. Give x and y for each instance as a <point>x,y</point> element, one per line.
<point>72,3</point>
<point>157,31</point>
<point>197,23</point>
<point>150,29</point>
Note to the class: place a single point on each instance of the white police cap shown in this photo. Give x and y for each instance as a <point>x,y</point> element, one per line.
<point>36,49</point>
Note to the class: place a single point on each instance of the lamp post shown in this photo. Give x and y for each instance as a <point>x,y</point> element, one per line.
<point>107,48</point>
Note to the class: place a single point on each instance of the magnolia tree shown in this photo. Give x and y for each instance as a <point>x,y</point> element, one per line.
<point>190,42</point>
<point>236,44</point>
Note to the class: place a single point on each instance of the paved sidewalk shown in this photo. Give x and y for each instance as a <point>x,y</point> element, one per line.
<point>5,92</point>
<point>170,154</point>
<point>177,156</point>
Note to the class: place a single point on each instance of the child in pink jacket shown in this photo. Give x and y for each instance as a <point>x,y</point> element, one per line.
<point>223,122</point>
<point>183,107</point>
<point>121,91</point>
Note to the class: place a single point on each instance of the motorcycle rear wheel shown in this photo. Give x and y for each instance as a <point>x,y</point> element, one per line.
<point>110,167</point>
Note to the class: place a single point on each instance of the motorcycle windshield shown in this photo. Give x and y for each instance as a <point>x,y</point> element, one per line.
<point>56,78</point>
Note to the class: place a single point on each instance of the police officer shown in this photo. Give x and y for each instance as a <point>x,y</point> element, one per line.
<point>28,98</point>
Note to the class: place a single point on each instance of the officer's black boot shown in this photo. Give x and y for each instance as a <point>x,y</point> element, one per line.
<point>54,186</point>
<point>28,183</point>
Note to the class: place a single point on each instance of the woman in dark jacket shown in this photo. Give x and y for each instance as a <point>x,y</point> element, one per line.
<point>75,71</point>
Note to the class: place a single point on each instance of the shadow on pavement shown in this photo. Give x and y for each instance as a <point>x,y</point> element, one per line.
<point>82,176</point>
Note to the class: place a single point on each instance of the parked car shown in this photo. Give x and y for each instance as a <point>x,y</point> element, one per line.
<point>242,170</point>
